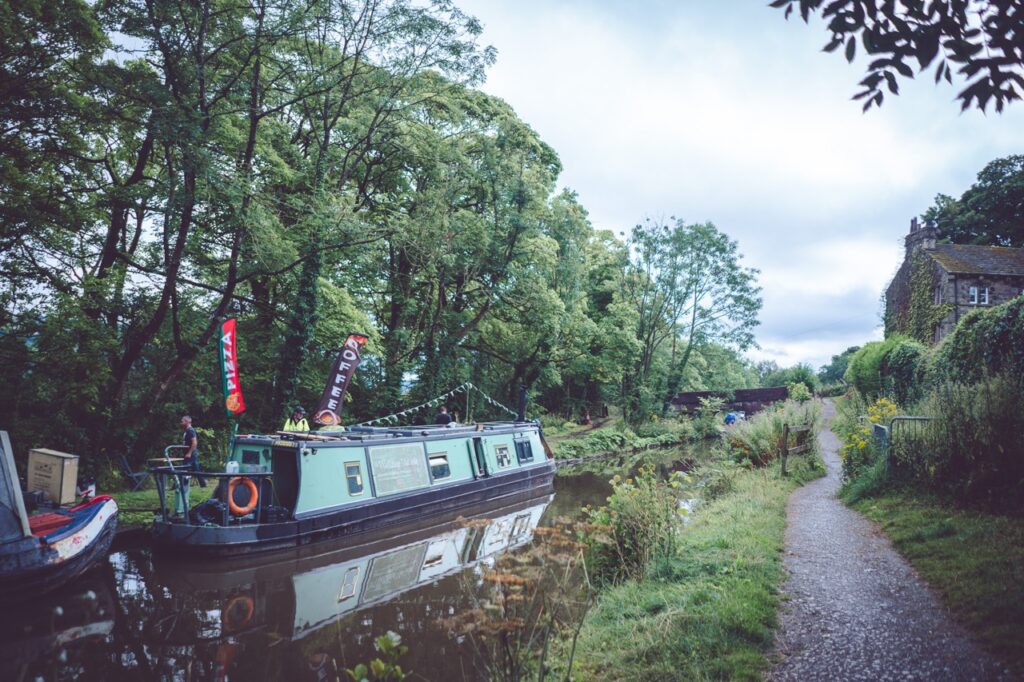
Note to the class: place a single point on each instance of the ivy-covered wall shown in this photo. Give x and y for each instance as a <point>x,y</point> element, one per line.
<point>911,306</point>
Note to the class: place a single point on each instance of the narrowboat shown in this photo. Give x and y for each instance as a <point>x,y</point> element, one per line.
<point>292,489</point>
<point>42,552</point>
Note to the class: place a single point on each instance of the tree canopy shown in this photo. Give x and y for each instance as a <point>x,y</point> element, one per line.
<point>990,212</point>
<point>833,372</point>
<point>310,169</point>
<point>979,39</point>
<point>689,288</point>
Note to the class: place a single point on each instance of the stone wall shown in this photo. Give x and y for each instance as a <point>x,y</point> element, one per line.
<point>956,290</point>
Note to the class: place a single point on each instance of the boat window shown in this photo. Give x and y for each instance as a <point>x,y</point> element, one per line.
<point>524,451</point>
<point>439,465</point>
<point>520,527</point>
<point>250,456</point>
<point>434,559</point>
<point>348,585</point>
<point>398,468</point>
<point>501,454</point>
<point>354,476</point>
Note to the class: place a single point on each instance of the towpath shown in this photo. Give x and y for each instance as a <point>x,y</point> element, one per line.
<point>856,609</point>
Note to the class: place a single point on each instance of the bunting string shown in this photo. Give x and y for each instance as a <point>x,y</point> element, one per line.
<point>396,417</point>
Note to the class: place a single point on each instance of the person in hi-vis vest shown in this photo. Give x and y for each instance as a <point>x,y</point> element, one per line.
<point>297,422</point>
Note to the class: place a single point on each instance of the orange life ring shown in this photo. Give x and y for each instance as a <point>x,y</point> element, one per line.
<point>254,496</point>
<point>231,618</point>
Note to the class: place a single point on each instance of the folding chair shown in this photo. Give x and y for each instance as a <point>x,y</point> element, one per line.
<point>137,478</point>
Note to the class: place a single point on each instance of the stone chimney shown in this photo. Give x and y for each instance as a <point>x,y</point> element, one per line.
<point>921,236</point>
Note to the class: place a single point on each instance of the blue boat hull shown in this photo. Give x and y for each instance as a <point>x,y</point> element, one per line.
<point>32,565</point>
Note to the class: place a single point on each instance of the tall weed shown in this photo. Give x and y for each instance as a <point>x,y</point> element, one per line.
<point>974,447</point>
<point>759,439</point>
<point>636,526</point>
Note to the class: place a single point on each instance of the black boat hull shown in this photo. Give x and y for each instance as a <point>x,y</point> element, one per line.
<point>234,540</point>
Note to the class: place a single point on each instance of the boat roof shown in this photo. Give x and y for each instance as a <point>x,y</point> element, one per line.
<point>360,433</point>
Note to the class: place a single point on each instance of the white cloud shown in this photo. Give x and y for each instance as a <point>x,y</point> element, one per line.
<point>735,116</point>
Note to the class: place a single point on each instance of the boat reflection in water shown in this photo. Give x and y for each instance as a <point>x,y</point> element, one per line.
<point>307,615</point>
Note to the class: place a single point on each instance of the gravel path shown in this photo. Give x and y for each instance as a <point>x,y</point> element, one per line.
<point>857,610</point>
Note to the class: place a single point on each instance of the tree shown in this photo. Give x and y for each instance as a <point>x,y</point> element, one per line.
<point>981,39</point>
<point>833,372</point>
<point>688,286</point>
<point>801,372</point>
<point>991,212</point>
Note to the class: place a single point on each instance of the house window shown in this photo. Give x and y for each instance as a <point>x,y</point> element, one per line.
<point>984,295</point>
<point>354,476</point>
<point>439,465</point>
<point>978,295</point>
<point>348,585</point>
<point>972,295</point>
<point>501,454</point>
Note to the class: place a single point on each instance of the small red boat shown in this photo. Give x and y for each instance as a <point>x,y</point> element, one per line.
<point>45,551</point>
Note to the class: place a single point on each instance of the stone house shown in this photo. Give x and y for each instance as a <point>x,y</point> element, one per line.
<point>937,284</point>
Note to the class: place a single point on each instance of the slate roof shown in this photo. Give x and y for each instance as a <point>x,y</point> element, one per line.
<point>970,259</point>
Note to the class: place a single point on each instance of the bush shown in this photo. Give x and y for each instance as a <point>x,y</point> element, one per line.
<point>759,439</point>
<point>598,442</point>
<point>553,423</point>
<point>833,390</point>
<point>707,423</point>
<point>891,367</point>
<point>641,520</point>
<point>984,343</point>
<point>974,448</point>
<point>799,392</point>
<point>859,451</point>
<point>900,368</point>
<point>666,430</point>
<point>864,371</point>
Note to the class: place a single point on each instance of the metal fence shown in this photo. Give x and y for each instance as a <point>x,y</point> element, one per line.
<point>891,439</point>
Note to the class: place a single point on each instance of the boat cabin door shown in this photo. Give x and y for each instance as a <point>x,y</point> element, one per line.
<point>479,461</point>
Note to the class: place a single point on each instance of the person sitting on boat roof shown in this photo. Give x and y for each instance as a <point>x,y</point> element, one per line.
<point>297,422</point>
<point>443,418</point>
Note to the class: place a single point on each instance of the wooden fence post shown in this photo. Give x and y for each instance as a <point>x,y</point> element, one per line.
<point>786,451</point>
<point>785,447</point>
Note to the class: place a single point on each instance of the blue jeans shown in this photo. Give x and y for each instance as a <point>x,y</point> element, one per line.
<point>193,465</point>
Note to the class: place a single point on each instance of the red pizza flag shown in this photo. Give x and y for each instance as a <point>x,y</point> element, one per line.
<point>234,402</point>
<point>328,412</point>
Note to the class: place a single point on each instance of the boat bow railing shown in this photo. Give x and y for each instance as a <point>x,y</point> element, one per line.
<point>169,478</point>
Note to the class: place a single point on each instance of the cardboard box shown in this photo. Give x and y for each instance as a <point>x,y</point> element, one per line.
<point>54,473</point>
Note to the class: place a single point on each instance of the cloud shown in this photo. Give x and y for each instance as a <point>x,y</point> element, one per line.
<point>735,116</point>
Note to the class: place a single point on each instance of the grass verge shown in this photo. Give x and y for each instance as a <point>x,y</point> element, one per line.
<point>973,559</point>
<point>708,612</point>
<point>135,510</point>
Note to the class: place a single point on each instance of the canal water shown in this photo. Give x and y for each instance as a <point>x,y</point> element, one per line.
<point>305,615</point>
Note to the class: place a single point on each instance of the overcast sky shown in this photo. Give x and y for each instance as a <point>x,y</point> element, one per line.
<point>721,110</point>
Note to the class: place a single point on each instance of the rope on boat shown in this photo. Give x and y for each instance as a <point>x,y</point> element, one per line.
<point>395,418</point>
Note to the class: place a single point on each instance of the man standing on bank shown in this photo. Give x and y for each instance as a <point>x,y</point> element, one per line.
<point>443,417</point>
<point>191,441</point>
<point>297,422</point>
